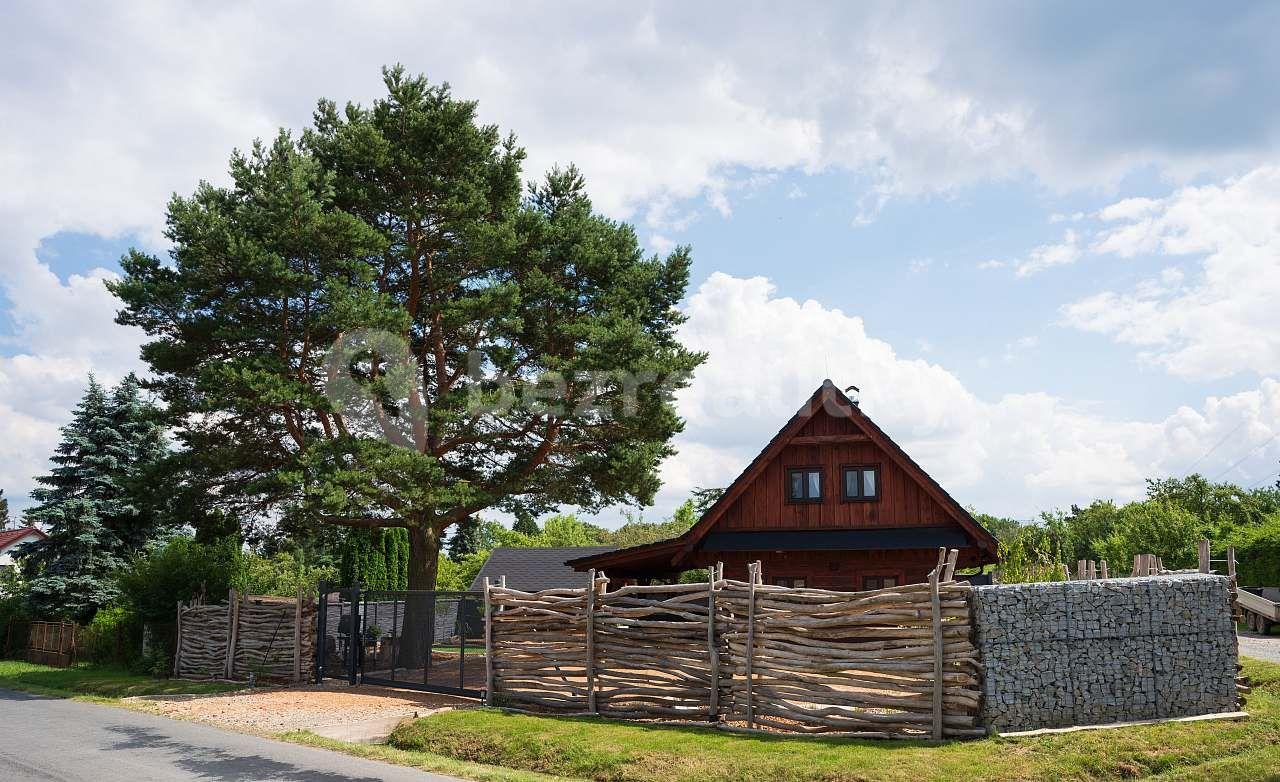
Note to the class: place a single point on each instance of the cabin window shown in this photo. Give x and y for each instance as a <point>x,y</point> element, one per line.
<point>794,582</point>
<point>879,582</point>
<point>861,483</point>
<point>804,484</point>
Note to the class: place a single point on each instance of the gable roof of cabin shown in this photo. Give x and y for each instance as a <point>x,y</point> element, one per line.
<point>835,402</point>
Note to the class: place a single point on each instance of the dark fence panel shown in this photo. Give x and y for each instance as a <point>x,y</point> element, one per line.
<point>429,640</point>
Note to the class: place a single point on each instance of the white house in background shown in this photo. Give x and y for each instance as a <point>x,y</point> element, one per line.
<point>11,539</point>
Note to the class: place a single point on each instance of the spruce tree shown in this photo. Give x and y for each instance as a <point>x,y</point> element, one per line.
<point>93,504</point>
<point>4,511</point>
<point>466,538</point>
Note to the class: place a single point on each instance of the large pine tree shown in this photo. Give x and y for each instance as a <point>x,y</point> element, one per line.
<point>93,503</point>
<point>407,217</point>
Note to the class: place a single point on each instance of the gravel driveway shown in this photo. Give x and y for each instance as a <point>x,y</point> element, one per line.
<point>314,708</point>
<point>1262,647</point>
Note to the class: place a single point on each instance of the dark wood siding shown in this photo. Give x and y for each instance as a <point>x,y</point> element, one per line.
<point>763,505</point>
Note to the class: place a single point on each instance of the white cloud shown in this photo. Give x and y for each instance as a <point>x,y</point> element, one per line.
<point>1016,454</point>
<point>991,264</point>
<point>1047,256</point>
<point>1020,346</point>
<point>1220,321</point>
<point>1074,217</point>
<point>110,108</point>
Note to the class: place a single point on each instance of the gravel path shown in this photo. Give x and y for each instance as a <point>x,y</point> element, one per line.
<point>268,712</point>
<point>1263,647</point>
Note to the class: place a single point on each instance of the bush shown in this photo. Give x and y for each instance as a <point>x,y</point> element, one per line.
<point>113,637</point>
<point>280,574</point>
<point>154,584</point>
<point>1258,553</point>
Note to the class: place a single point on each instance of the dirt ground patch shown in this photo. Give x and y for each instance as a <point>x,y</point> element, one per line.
<point>313,707</point>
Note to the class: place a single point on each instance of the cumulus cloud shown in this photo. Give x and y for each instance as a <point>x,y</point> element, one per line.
<point>1219,321</point>
<point>670,110</point>
<point>62,331</point>
<point>1047,256</point>
<point>1014,454</point>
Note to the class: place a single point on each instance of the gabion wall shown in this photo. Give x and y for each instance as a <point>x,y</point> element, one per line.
<point>1091,652</point>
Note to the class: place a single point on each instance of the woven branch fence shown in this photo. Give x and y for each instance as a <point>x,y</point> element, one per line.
<point>268,637</point>
<point>890,663</point>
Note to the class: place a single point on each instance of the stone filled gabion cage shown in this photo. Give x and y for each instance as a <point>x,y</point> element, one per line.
<point>1091,652</point>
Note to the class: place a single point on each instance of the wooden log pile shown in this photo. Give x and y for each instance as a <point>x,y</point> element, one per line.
<point>272,638</point>
<point>893,663</point>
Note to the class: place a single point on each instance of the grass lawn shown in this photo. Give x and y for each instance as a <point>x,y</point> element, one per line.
<point>621,752</point>
<point>96,681</point>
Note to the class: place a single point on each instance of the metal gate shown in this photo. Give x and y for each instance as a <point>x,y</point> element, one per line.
<point>337,628</point>
<point>420,639</point>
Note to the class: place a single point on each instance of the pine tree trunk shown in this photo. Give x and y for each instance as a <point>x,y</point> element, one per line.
<point>424,560</point>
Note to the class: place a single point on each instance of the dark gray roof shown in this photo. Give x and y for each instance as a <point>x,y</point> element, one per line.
<point>534,569</point>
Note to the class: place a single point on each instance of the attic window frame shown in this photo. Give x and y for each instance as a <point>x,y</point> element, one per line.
<point>845,469</point>
<point>806,499</point>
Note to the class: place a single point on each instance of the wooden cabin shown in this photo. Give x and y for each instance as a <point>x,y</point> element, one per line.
<point>831,502</point>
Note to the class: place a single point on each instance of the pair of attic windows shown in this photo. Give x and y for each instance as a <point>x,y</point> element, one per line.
<point>858,484</point>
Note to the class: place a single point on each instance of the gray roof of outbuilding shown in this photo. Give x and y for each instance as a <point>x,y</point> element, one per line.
<point>534,569</point>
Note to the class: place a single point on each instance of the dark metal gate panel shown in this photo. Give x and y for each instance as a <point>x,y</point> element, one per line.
<point>425,640</point>
<point>337,628</point>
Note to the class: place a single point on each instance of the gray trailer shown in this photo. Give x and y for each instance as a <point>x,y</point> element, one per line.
<point>1260,607</point>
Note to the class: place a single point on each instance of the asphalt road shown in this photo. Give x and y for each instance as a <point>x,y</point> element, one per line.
<point>54,739</point>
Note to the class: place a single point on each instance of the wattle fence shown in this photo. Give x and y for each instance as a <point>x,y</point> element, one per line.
<point>266,637</point>
<point>891,663</point>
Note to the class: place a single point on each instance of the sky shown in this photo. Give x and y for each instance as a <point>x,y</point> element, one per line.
<point>1043,241</point>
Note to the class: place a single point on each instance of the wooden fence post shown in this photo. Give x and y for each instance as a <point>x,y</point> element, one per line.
<point>488,645</point>
<point>935,608</point>
<point>591,641</point>
<point>753,570</point>
<point>1091,570</point>
<point>1103,569</point>
<point>1066,574</point>
<point>177,645</point>
<point>950,572</point>
<point>297,637</point>
<point>713,704</point>
<point>1202,548</point>
<point>1081,569</point>
<point>233,629</point>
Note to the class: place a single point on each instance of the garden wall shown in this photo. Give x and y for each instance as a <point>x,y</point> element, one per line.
<point>1090,652</point>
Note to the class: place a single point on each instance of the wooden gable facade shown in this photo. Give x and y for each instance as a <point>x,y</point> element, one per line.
<point>887,534</point>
